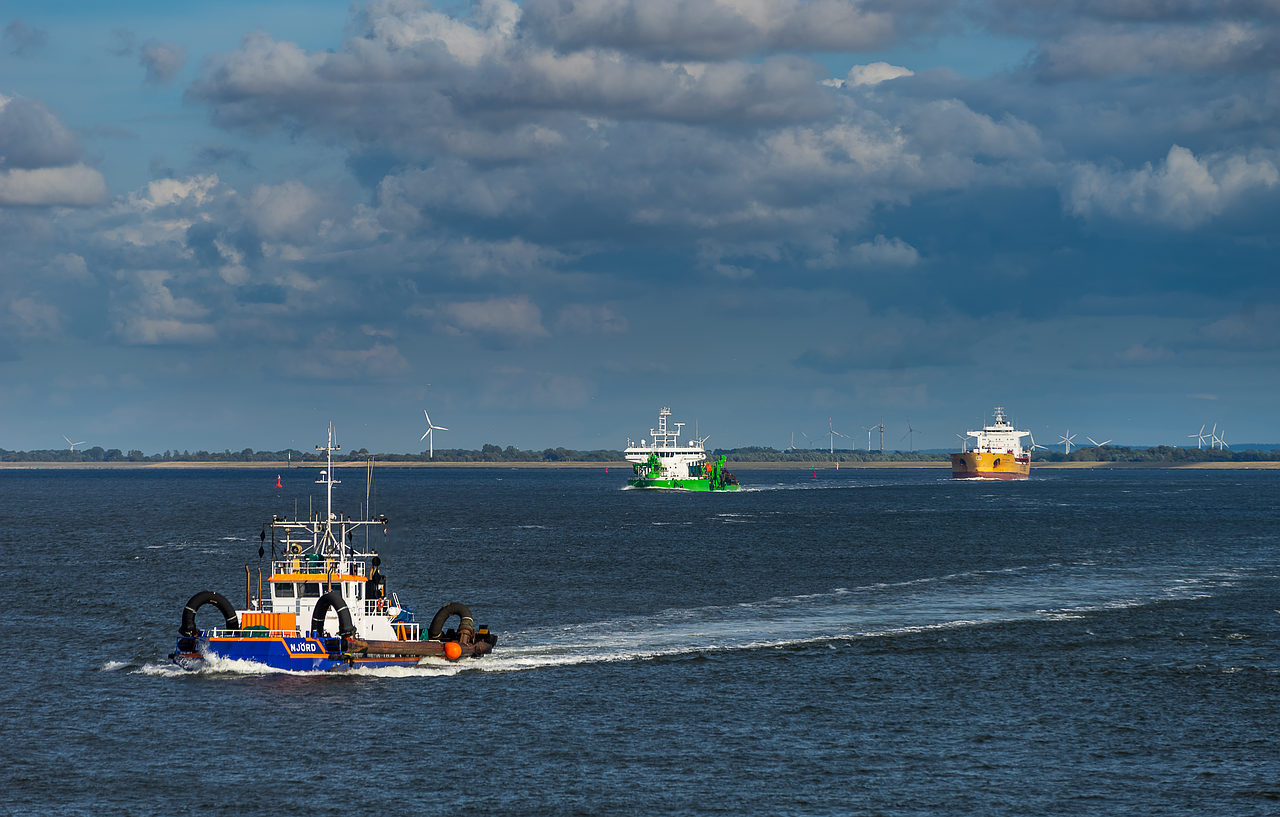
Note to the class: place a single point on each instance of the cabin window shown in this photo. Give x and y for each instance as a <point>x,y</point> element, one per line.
<point>284,590</point>
<point>311,590</point>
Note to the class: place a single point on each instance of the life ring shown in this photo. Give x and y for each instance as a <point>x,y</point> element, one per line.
<point>199,600</point>
<point>382,604</point>
<point>453,608</point>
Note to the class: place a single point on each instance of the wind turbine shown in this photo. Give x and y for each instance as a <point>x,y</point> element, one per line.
<point>1096,444</point>
<point>879,426</point>
<point>430,428</point>
<point>868,430</point>
<point>1220,438</point>
<point>910,431</point>
<point>1199,437</point>
<point>1033,442</point>
<point>831,435</point>
<point>806,439</point>
<point>1066,441</point>
<point>73,445</point>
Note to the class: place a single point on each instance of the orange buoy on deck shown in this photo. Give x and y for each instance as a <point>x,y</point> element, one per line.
<point>453,650</point>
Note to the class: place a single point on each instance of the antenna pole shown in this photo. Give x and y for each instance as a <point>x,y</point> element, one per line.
<point>329,482</point>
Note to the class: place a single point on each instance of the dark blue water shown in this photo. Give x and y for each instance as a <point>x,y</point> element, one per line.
<point>869,642</point>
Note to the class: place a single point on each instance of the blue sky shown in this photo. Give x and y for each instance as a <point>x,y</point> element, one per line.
<point>226,224</point>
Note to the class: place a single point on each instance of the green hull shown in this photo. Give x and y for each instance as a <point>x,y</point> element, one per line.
<point>680,484</point>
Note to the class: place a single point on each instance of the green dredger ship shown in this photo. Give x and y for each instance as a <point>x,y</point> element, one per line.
<point>664,463</point>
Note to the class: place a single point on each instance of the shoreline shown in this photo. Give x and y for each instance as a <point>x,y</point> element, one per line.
<point>739,466</point>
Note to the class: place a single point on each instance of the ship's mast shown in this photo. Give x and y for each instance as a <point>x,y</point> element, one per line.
<point>661,437</point>
<point>326,478</point>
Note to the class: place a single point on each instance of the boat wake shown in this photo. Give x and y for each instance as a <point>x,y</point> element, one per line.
<point>823,483</point>
<point>1060,592</point>
<point>842,616</point>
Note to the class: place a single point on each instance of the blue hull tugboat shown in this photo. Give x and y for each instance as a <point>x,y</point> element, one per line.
<point>326,606</point>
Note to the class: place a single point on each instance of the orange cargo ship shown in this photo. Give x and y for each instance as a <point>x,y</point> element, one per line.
<point>997,453</point>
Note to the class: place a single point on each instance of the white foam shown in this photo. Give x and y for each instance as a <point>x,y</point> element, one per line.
<point>215,666</point>
<point>1050,593</point>
<point>956,601</point>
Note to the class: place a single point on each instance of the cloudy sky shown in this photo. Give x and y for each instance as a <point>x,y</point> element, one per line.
<point>223,225</point>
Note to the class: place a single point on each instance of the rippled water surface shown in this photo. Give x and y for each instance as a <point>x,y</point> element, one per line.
<point>863,642</point>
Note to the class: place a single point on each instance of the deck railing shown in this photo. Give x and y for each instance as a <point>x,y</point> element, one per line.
<point>223,633</point>
<point>405,631</point>
<point>370,607</point>
<point>317,566</point>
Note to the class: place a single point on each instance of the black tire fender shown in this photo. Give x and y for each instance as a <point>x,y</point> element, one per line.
<point>333,599</point>
<point>199,600</point>
<point>453,608</point>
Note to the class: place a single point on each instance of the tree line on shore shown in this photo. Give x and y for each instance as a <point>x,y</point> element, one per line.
<point>496,454</point>
<point>489,453</point>
<point>1157,453</point>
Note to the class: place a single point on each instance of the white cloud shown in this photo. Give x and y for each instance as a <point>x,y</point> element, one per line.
<point>872,74</point>
<point>1183,191</point>
<point>880,251</point>
<point>147,313</point>
<point>140,330</point>
<point>417,82</point>
<point>74,186</point>
<point>473,258</point>
<point>34,320</point>
<point>402,26</point>
<point>70,265</point>
<point>164,192</point>
<point>291,212</point>
<point>1097,50</point>
<point>498,321</point>
<point>162,60</point>
<point>715,29</point>
<point>32,137</point>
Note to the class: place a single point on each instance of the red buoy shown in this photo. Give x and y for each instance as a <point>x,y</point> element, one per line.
<point>278,485</point>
